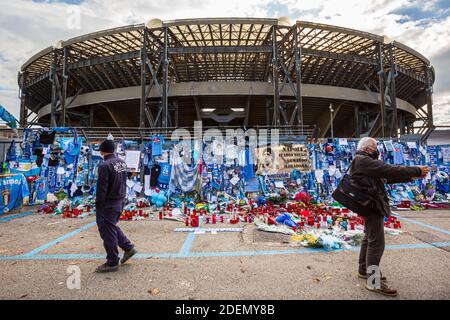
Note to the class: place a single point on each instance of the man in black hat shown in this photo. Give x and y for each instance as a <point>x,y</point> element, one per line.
<point>110,200</point>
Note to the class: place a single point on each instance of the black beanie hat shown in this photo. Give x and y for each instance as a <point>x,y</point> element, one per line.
<point>107,146</point>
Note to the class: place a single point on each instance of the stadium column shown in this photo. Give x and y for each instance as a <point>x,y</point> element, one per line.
<point>298,70</point>
<point>143,79</point>
<point>64,87</point>
<point>53,80</point>
<point>91,117</point>
<point>381,80</point>
<point>176,114</point>
<point>268,102</point>
<point>23,108</point>
<point>393,132</point>
<point>429,91</point>
<point>165,112</point>
<point>357,122</point>
<point>402,123</point>
<point>275,84</point>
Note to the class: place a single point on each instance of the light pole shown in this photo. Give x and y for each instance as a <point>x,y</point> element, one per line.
<point>331,120</point>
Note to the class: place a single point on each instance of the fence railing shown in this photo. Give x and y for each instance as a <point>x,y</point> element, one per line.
<point>141,134</point>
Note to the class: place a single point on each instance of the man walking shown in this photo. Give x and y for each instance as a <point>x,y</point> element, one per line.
<point>370,173</point>
<point>110,200</point>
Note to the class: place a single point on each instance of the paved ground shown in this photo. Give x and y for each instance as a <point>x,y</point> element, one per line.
<point>36,250</point>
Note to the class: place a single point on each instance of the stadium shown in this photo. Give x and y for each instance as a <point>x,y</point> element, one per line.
<point>231,72</point>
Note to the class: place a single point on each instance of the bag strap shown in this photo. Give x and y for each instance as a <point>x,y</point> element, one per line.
<point>351,165</point>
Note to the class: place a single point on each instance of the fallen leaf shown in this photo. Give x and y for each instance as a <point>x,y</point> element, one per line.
<point>154,291</point>
<point>308,267</point>
<point>316,279</point>
<point>25,295</point>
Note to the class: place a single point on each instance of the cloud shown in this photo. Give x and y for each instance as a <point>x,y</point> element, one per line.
<point>441,109</point>
<point>26,27</point>
<point>442,58</point>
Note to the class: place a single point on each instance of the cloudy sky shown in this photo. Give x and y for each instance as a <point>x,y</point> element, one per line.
<point>27,26</point>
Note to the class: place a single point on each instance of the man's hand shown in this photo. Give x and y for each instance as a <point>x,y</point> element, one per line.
<point>424,171</point>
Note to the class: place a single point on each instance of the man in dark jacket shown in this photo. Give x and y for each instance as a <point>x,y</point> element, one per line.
<point>110,200</point>
<point>370,173</point>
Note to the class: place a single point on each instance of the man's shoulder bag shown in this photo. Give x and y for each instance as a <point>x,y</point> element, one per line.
<point>354,197</point>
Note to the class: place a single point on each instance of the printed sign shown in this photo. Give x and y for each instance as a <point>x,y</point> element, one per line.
<point>132,159</point>
<point>283,158</point>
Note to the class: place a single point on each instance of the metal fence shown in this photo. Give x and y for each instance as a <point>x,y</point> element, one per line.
<point>141,134</point>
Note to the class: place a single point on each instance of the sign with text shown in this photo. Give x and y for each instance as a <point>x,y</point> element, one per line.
<point>283,158</point>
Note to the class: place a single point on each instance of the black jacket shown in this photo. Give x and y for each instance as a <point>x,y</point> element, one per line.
<point>371,175</point>
<point>111,182</point>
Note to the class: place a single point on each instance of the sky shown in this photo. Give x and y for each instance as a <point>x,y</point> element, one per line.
<point>28,26</point>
